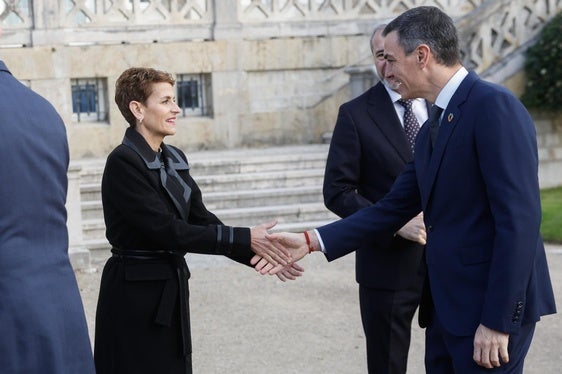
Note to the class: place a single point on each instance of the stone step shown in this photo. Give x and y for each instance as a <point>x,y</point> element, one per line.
<point>290,179</point>
<point>94,228</point>
<point>235,199</point>
<point>260,180</point>
<point>262,197</point>
<point>238,161</point>
<point>100,245</point>
<point>242,187</point>
<point>283,213</point>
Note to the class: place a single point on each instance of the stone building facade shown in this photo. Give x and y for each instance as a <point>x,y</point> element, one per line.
<point>266,72</point>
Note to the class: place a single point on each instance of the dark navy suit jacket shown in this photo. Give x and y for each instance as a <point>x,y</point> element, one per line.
<point>367,152</point>
<point>41,315</point>
<point>479,191</point>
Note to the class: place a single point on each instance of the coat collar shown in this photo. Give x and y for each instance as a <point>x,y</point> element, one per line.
<point>171,161</point>
<point>136,141</point>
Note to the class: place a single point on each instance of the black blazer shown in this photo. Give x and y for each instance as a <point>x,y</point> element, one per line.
<point>368,151</point>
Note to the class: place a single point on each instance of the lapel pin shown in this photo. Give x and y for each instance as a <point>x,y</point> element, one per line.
<point>450,117</point>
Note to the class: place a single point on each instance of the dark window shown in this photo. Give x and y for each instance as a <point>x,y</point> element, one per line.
<point>194,94</point>
<point>89,101</point>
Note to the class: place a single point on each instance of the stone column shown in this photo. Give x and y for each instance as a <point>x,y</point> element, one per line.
<point>360,79</point>
<point>78,253</point>
<point>225,16</point>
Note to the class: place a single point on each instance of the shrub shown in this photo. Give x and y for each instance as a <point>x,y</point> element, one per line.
<point>543,68</point>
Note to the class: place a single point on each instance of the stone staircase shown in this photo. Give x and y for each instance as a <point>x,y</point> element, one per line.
<point>242,187</point>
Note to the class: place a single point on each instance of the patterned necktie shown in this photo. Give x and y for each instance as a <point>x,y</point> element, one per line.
<point>434,116</point>
<point>411,124</point>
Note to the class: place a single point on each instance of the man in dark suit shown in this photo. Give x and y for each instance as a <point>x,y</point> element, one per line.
<point>41,314</point>
<point>368,150</point>
<point>478,187</point>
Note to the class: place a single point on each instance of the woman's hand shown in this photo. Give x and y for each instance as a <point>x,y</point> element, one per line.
<point>270,251</point>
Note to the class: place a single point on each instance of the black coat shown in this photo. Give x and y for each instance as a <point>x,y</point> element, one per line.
<point>143,298</point>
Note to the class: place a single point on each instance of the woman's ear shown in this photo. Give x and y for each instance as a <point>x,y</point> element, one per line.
<point>136,108</point>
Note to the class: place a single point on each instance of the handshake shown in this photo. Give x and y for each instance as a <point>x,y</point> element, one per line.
<point>277,253</point>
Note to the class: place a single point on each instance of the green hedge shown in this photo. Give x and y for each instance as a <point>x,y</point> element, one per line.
<point>551,226</point>
<point>543,68</point>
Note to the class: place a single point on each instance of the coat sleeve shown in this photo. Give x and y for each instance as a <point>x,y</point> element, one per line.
<point>375,222</point>
<point>136,212</point>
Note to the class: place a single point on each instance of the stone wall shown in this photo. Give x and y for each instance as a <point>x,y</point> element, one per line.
<point>278,67</point>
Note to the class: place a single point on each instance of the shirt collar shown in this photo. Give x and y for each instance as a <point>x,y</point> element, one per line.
<point>449,89</point>
<point>394,96</point>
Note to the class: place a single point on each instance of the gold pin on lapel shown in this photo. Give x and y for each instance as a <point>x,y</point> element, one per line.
<point>450,117</point>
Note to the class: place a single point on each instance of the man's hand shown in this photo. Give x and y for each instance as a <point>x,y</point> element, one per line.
<point>414,230</point>
<point>294,243</point>
<point>274,254</point>
<point>490,347</point>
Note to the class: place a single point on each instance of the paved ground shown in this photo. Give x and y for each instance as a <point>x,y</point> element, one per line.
<point>246,324</point>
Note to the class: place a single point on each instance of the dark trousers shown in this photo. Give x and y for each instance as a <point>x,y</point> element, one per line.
<point>387,321</point>
<point>448,354</point>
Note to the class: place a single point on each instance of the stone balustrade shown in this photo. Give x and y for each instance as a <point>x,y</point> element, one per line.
<point>493,33</point>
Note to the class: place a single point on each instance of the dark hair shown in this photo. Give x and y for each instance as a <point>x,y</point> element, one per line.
<point>427,25</point>
<point>135,84</point>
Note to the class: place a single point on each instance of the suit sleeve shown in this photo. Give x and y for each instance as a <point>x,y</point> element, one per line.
<point>343,169</point>
<point>374,223</point>
<point>507,155</point>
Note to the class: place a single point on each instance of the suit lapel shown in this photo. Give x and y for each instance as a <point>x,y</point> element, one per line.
<point>385,118</point>
<point>430,160</point>
<point>446,128</point>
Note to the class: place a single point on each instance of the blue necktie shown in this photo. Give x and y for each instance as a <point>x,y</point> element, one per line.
<point>434,116</point>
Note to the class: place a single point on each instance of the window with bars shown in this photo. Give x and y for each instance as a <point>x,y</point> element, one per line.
<point>89,100</point>
<point>194,94</point>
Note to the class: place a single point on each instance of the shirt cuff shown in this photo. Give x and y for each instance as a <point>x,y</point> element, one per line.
<point>320,241</point>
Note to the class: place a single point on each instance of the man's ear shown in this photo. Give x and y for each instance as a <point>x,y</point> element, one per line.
<point>422,53</point>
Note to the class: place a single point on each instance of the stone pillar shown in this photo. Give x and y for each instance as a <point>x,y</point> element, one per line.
<point>225,16</point>
<point>361,78</point>
<point>78,253</point>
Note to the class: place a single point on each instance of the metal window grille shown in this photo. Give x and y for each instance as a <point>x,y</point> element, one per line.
<point>193,94</point>
<point>89,100</point>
